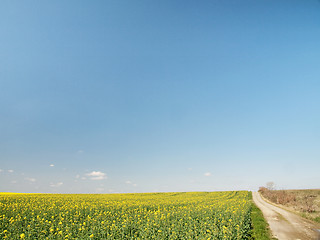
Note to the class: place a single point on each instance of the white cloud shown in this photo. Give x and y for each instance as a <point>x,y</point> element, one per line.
<point>30,179</point>
<point>1,170</point>
<point>207,174</point>
<point>10,171</point>
<point>14,182</point>
<point>97,175</point>
<point>80,152</point>
<point>131,183</point>
<point>51,165</point>
<point>56,184</point>
<point>189,169</point>
<point>77,176</point>
<point>99,190</point>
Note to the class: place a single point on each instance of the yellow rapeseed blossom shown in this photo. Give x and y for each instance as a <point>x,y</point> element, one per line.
<point>188,215</point>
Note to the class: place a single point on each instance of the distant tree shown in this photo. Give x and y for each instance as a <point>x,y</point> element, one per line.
<point>270,185</point>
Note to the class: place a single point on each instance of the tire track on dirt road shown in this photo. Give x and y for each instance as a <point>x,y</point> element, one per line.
<point>285,225</point>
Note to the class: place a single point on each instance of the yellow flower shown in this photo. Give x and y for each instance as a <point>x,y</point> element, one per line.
<point>22,235</point>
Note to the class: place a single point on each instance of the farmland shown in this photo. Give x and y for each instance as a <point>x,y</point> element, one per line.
<point>191,215</point>
<point>305,202</point>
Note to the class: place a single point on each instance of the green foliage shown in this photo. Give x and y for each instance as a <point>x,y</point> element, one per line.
<point>193,215</point>
<point>260,228</point>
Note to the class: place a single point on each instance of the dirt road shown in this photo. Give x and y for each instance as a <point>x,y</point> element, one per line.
<point>286,225</point>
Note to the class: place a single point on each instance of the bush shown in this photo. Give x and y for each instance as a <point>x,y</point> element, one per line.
<point>277,196</point>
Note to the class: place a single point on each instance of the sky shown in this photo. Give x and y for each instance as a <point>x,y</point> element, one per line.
<point>159,96</point>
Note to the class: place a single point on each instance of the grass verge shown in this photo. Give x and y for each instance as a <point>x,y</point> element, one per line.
<point>260,228</point>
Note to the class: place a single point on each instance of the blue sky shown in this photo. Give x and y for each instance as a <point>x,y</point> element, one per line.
<point>144,96</point>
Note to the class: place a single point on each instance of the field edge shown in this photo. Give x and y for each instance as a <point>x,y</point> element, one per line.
<point>260,228</point>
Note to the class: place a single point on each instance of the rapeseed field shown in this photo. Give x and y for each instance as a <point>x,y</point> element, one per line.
<point>189,215</point>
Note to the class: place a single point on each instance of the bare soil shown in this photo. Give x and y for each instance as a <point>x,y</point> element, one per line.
<point>286,225</point>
